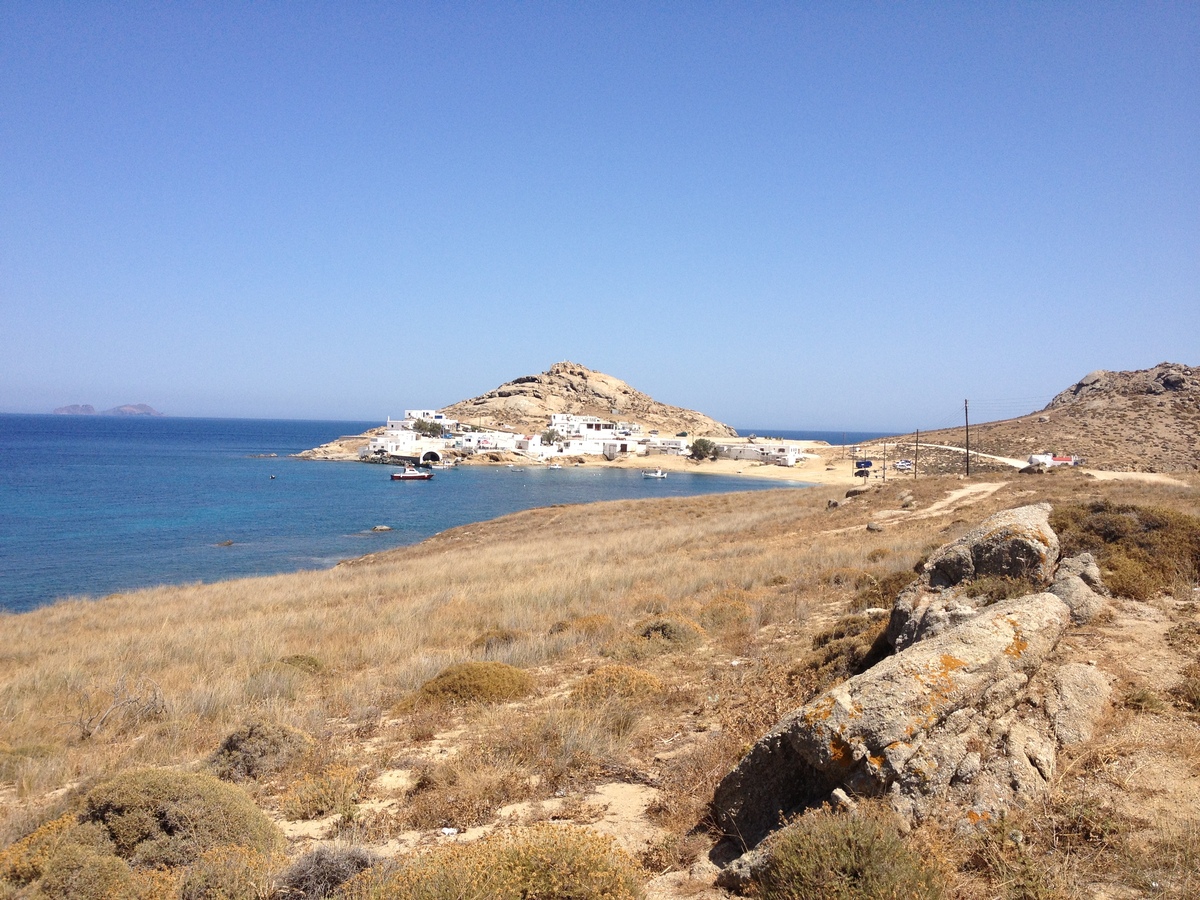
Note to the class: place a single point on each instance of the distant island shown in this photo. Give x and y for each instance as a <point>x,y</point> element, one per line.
<point>86,409</point>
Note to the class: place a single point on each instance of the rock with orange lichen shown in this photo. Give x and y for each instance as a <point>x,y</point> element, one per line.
<point>918,726</point>
<point>1016,545</point>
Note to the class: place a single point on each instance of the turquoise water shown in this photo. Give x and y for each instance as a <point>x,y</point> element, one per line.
<point>94,505</point>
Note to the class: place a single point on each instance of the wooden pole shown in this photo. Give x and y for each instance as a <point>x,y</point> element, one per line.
<point>967,419</point>
<point>916,454</point>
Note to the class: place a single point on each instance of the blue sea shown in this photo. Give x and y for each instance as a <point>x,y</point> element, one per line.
<point>92,505</point>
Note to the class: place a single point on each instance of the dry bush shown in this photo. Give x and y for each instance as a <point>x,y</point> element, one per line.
<point>231,873</point>
<point>656,636</point>
<point>25,861</point>
<point>495,639</point>
<point>623,682</point>
<point>592,627</point>
<point>477,682</point>
<point>320,872</point>
<point>333,790</point>
<point>1000,587</point>
<point>159,818</point>
<point>84,873</point>
<point>849,647</point>
<point>1142,551</point>
<point>881,592</point>
<point>258,748</point>
<point>306,663</point>
<point>830,856</point>
<point>464,791</point>
<point>544,861</point>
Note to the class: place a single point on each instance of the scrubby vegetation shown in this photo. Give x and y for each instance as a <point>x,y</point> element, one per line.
<point>511,675</point>
<point>1142,550</point>
<point>477,682</point>
<point>547,861</point>
<point>827,856</point>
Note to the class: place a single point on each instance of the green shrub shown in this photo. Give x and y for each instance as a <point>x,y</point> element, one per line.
<point>159,818</point>
<point>828,856</point>
<point>1142,551</point>
<point>24,861</point>
<point>256,749</point>
<point>477,682</point>
<point>545,862</point>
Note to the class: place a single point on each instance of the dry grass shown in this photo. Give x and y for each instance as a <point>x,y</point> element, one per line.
<point>662,638</point>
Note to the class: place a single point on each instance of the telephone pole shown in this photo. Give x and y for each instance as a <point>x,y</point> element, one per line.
<point>967,419</point>
<point>917,454</point>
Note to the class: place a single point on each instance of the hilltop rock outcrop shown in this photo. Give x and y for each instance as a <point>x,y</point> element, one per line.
<point>1138,421</point>
<point>526,403</point>
<point>970,712</point>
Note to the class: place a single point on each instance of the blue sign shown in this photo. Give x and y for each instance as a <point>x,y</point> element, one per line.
<point>862,464</point>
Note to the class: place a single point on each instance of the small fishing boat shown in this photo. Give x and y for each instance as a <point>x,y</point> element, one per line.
<point>410,473</point>
<point>657,473</point>
<point>554,466</point>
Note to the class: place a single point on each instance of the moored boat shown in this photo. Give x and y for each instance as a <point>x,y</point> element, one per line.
<point>410,473</point>
<point>657,473</point>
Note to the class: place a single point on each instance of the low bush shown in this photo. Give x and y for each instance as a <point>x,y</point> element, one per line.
<point>625,682</point>
<point>85,873</point>
<point>677,631</point>
<point>725,613</point>
<point>544,862</point>
<point>1000,587</point>
<point>849,647</point>
<point>231,873</point>
<point>1142,551</point>
<point>305,663</point>
<point>24,861</point>
<point>159,818</point>
<point>463,792</point>
<point>334,790</point>
<point>495,639</point>
<point>829,856</point>
<point>477,682</point>
<point>881,591</point>
<point>256,749</point>
<point>320,872</point>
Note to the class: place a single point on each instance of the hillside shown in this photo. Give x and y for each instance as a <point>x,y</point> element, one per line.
<point>526,404</point>
<point>1141,421</point>
<point>625,655</point>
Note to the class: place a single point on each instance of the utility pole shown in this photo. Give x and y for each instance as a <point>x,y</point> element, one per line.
<point>967,419</point>
<point>916,454</point>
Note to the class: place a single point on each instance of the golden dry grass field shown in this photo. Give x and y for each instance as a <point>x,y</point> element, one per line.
<point>655,640</point>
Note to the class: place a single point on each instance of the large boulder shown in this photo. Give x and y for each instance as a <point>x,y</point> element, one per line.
<point>910,726</point>
<point>1014,544</point>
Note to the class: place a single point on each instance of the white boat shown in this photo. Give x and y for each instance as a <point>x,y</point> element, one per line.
<point>410,473</point>
<point>657,473</point>
<point>554,466</point>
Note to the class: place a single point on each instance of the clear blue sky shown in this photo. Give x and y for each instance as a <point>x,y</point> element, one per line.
<point>825,215</point>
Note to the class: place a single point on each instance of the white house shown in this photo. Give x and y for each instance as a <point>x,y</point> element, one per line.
<point>771,454</point>
<point>667,446</point>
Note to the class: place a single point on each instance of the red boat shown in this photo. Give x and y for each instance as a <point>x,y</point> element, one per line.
<point>410,473</point>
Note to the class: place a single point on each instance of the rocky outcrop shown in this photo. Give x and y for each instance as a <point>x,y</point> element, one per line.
<point>526,404</point>
<point>969,714</point>
<point>1017,544</point>
<point>1146,420</point>
<point>1162,378</point>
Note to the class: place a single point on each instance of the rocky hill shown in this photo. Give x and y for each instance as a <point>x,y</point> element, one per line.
<point>1141,421</point>
<point>526,404</point>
